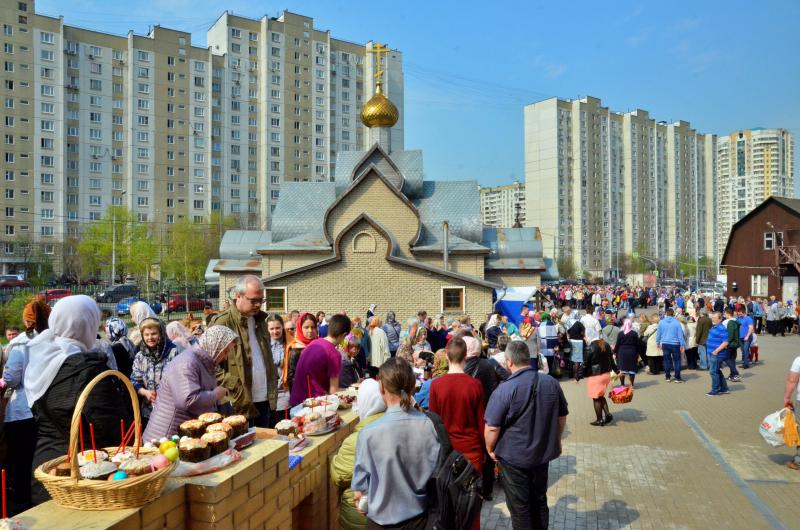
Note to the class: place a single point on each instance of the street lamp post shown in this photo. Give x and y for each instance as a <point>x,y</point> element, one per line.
<point>114,240</point>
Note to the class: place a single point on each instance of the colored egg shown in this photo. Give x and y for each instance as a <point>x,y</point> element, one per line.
<point>171,454</point>
<point>159,462</point>
<point>166,445</point>
<point>120,475</point>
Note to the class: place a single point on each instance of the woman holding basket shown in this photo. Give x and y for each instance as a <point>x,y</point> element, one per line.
<point>597,367</point>
<point>61,362</point>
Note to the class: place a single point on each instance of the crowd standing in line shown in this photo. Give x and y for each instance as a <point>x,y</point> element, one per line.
<point>436,386</point>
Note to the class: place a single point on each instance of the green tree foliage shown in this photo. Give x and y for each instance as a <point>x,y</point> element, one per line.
<point>566,267</point>
<point>11,312</point>
<point>136,247</point>
<point>186,253</point>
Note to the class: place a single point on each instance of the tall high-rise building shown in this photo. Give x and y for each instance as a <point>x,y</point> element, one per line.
<point>602,185</point>
<point>751,165</point>
<point>168,129</point>
<point>501,205</point>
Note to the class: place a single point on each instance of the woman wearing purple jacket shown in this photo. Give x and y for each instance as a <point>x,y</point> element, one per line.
<point>188,386</point>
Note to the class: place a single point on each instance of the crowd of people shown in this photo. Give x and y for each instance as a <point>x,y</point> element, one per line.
<point>426,386</point>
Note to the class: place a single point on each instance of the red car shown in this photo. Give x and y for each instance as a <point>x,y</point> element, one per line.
<point>51,295</point>
<point>177,303</point>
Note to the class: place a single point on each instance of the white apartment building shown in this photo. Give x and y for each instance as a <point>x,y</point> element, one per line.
<point>602,185</point>
<point>294,98</point>
<point>752,164</point>
<point>168,129</point>
<point>500,205</point>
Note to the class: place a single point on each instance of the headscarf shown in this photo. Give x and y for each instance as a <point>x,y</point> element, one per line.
<point>116,329</point>
<point>298,330</point>
<point>473,346</point>
<point>390,317</point>
<point>216,339</point>
<point>37,311</point>
<point>440,362</point>
<point>179,335</point>
<point>492,321</point>
<point>164,344</point>
<point>73,325</point>
<point>369,399</point>
<point>544,316</point>
<point>627,326</point>
<point>352,339</point>
<point>405,351</point>
<point>141,311</point>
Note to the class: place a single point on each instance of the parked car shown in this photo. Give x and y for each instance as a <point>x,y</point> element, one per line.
<point>51,296</point>
<point>12,280</point>
<point>124,305</point>
<point>177,303</point>
<point>115,293</point>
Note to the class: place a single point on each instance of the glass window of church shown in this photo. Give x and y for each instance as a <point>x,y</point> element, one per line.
<point>452,299</point>
<point>275,299</point>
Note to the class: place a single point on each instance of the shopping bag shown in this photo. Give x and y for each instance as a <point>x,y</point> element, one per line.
<point>790,435</point>
<point>771,429</point>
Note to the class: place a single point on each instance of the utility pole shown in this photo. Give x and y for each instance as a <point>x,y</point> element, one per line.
<point>114,240</point>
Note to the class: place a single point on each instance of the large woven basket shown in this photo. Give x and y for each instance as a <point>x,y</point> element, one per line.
<point>82,494</point>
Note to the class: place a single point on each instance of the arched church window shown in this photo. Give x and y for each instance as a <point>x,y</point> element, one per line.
<point>364,242</point>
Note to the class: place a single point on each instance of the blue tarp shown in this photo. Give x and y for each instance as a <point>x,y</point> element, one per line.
<point>510,300</point>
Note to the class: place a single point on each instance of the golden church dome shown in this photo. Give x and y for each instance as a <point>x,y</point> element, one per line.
<point>379,111</point>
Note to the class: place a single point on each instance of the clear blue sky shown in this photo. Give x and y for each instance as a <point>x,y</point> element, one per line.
<point>470,67</point>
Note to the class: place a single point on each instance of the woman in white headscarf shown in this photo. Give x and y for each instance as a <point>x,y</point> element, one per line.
<point>188,386</point>
<point>139,312</point>
<point>370,408</point>
<point>180,335</point>
<point>60,363</point>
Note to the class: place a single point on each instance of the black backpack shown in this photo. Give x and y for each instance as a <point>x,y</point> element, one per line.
<point>454,490</point>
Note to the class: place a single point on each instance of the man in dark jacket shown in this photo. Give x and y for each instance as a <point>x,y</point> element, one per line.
<point>701,337</point>
<point>489,374</point>
<point>732,325</point>
<point>249,372</point>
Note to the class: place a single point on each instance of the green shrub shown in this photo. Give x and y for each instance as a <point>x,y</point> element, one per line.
<point>11,312</point>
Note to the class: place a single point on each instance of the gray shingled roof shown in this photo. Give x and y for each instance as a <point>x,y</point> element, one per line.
<point>408,162</point>
<point>314,240</point>
<point>457,202</point>
<point>410,165</point>
<point>301,209</point>
<point>434,243</point>
<point>243,244</point>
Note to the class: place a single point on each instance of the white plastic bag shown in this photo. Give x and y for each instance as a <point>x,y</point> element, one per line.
<point>771,429</point>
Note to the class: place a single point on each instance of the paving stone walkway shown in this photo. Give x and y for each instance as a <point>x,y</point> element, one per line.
<point>674,458</point>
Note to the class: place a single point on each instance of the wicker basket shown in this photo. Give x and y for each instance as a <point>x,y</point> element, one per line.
<point>82,494</point>
<point>621,397</point>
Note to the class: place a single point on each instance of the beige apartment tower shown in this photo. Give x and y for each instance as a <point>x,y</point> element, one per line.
<point>502,205</point>
<point>751,165</point>
<point>168,129</point>
<point>602,185</point>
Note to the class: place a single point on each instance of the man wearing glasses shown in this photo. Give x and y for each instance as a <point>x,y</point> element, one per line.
<point>249,372</point>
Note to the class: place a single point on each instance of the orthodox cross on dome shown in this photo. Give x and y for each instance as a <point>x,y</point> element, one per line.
<point>379,112</point>
<point>379,49</point>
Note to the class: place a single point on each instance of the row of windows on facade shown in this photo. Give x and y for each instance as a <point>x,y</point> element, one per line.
<point>96,52</point>
<point>73,81</point>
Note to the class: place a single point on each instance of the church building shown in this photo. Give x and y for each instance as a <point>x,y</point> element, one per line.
<point>382,234</point>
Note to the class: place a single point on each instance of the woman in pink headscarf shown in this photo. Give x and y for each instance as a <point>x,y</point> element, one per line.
<point>627,348</point>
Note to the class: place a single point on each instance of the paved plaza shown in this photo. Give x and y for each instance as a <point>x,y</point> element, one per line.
<point>675,458</point>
